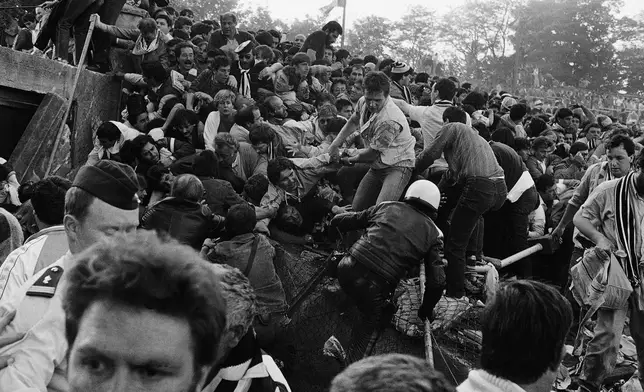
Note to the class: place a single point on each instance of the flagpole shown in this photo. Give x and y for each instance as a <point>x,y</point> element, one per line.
<point>344,26</point>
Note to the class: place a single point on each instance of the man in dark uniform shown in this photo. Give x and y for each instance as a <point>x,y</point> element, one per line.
<point>398,237</point>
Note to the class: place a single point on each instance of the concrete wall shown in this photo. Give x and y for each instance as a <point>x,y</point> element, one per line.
<point>97,96</point>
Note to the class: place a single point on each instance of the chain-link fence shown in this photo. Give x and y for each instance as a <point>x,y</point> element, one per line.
<point>320,309</point>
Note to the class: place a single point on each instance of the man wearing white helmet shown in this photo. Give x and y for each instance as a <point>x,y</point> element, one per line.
<point>397,237</point>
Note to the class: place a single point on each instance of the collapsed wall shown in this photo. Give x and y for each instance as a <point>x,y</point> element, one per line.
<point>48,84</point>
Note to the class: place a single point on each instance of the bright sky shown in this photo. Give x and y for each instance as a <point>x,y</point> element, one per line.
<point>393,9</point>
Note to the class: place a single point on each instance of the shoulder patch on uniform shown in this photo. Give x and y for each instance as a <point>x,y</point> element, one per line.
<point>46,285</point>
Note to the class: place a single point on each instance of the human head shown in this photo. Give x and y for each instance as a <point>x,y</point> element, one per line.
<point>255,188</point>
<point>263,53</point>
<point>592,131</point>
<point>224,100</point>
<point>547,188</point>
<point>280,173</point>
<point>261,137</point>
<point>40,13</point>
<point>575,121</point>
<point>187,187</point>
<point>184,24</point>
<point>376,90</point>
<point>444,89</point>
<point>525,316</point>
<point>108,134</point>
<point>454,114</point>
<point>564,117</point>
<point>143,312</point>
<point>518,111</point>
<point>328,54</point>
<point>345,108</point>
<point>185,54</point>
<point>401,73</point>
<point>228,23</point>
<point>265,38</point>
<point>275,108</point>
<point>148,29</point>
<point>333,30</point>
<point>29,21</point>
<point>326,113</point>
<point>226,148</point>
<point>299,40</point>
<point>154,74</point>
<point>390,372</point>
<point>241,306</point>
<point>339,87</point>
<point>248,116</point>
<point>580,148</point>
<point>476,100</point>
<point>48,201</point>
<point>240,219</point>
<point>220,65</point>
<point>619,154</point>
<point>102,202</point>
<point>201,29</point>
<point>569,137</point>
<point>301,62</point>
<point>184,123</point>
<point>145,149</point>
<point>540,147</point>
<point>186,13</point>
<point>357,73</point>
<point>246,54</point>
<point>343,56</point>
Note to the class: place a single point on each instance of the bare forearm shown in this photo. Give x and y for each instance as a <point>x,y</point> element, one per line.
<point>347,130</point>
<point>587,228</point>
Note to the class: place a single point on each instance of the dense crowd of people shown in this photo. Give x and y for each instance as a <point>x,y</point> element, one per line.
<point>154,268</point>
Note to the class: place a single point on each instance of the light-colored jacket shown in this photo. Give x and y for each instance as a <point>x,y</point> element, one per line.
<point>40,251</point>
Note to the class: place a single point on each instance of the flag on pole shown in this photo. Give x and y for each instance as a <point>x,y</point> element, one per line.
<point>326,10</point>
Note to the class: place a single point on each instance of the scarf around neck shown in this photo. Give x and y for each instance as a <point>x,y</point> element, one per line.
<point>141,48</point>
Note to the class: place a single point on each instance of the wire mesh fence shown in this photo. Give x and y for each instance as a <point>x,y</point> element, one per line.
<point>320,309</point>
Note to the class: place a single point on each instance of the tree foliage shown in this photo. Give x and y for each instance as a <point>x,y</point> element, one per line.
<point>370,35</point>
<point>415,34</point>
<point>207,9</point>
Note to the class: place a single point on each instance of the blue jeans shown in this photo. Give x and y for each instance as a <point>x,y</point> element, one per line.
<point>380,185</point>
<point>601,353</point>
<point>479,196</point>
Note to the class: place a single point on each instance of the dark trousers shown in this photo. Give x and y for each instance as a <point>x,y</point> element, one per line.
<point>370,293</point>
<point>76,15</point>
<point>479,196</point>
<point>109,13</point>
<point>507,231</point>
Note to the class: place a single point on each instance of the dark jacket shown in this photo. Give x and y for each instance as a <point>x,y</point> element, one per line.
<point>220,195</point>
<point>188,222</point>
<point>398,237</point>
<point>262,275</point>
<point>255,82</point>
